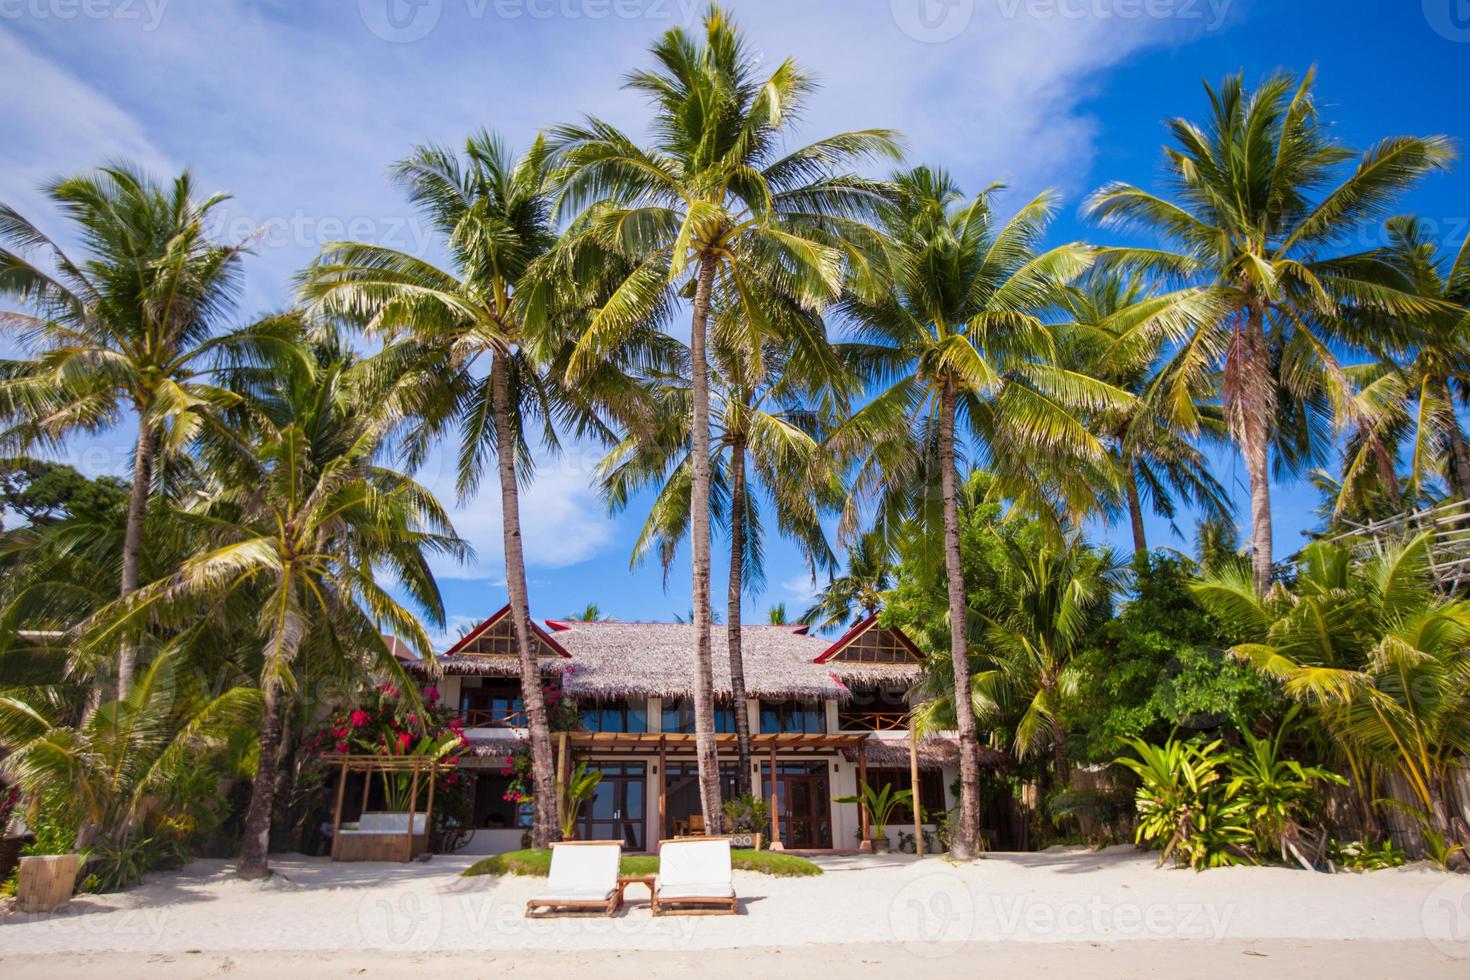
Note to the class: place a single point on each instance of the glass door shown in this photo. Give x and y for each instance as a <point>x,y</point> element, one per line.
<point>803,804</point>
<point>616,809</point>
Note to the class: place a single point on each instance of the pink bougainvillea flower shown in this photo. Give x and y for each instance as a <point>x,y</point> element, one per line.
<point>389,690</point>
<point>342,747</point>
<point>403,740</point>
<point>359,718</point>
<point>432,695</point>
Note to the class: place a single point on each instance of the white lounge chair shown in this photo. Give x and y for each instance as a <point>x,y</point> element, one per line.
<point>695,877</point>
<point>583,880</point>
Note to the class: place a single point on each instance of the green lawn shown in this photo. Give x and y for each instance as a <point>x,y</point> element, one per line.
<point>537,862</point>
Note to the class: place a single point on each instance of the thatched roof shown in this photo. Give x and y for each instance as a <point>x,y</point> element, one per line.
<point>612,660</point>
<point>935,752</point>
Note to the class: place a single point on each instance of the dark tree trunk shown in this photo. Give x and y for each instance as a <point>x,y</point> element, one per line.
<point>1135,510</point>
<point>966,832</point>
<point>285,780</point>
<point>706,750</point>
<point>132,560</point>
<point>544,826</point>
<point>737,574</point>
<point>255,848</point>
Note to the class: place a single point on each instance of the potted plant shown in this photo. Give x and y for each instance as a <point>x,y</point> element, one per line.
<point>880,805</point>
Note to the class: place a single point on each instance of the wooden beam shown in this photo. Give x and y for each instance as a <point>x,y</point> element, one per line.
<point>337,817</point>
<point>914,782</point>
<point>413,802</point>
<point>561,779</point>
<point>663,789</point>
<point>775,816</point>
<point>862,781</point>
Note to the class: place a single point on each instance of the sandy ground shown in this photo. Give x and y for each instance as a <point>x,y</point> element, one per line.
<point>1110,911</point>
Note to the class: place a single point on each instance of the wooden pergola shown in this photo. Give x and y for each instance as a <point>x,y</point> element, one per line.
<point>365,844</point>
<point>790,743</point>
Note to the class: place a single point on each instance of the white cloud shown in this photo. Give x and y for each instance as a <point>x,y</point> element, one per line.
<point>800,589</point>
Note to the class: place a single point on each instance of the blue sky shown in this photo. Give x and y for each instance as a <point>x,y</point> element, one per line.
<point>299,106</point>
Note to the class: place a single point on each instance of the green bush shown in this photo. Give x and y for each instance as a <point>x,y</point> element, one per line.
<point>537,863</point>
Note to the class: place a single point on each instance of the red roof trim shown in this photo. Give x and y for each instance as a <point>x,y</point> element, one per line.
<point>861,627</point>
<point>495,618</point>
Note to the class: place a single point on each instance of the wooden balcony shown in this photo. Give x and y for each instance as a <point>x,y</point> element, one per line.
<point>873,721</point>
<point>494,718</point>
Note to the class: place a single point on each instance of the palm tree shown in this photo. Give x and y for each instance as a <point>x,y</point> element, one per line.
<point>776,615</point>
<point>303,517</point>
<point>1252,232</point>
<point>1157,462</point>
<point>494,212</point>
<point>591,614</point>
<point>1421,375</point>
<point>961,334</point>
<point>135,326</point>
<point>712,211</point>
<point>767,449</point>
<point>868,574</point>
<point>1378,657</point>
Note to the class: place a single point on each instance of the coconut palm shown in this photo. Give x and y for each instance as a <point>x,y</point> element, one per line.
<point>1378,657</point>
<point>858,591</point>
<point>494,213</point>
<point>713,211</point>
<point>961,342</point>
<point>1158,463</point>
<point>1420,378</point>
<point>766,450</point>
<point>135,326</point>
<point>303,517</point>
<point>1251,234</point>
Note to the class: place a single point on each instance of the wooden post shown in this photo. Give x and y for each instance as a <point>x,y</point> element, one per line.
<point>867,843</point>
<point>367,786</point>
<point>413,801</point>
<point>561,779</point>
<point>776,844</point>
<point>429,808</point>
<point>337,817</point>
<point>663,786</point>
<point>914,782</point>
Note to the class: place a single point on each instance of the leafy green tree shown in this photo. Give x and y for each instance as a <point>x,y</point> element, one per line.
<point>43,492</point>
<point>303,518</point>
<point>713,211</point>
<point>1258,209</point>
<point>961,341</point>
<point>866,576</point>
<point>136,326</point>
<point>1376,656</point>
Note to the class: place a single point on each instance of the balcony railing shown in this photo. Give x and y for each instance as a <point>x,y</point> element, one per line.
<point>873,721</point>
<point>495,718</point>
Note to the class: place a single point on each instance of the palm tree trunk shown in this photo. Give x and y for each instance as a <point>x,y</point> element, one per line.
<point>132,561</point>
<point>255,848</point>
<point>1255,410</point>
<point>1135,510</point>
<point>1458,451</point>
<point>967,831</point>
<point>699,532</point>
<point>544,825</point>
<point>732,613</point>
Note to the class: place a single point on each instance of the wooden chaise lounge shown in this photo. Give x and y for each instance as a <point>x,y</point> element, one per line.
<point>695,877</point>
<point>583,880</point>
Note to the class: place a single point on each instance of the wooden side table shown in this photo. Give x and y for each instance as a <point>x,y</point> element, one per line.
<point>645,880</point>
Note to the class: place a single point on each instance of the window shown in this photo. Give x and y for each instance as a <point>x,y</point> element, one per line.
<point>492,810</point>
<point>496,703</point>
<point>615,716</point>
<point>931,790</point>
<point>678,717</point>
<point>806,717</point>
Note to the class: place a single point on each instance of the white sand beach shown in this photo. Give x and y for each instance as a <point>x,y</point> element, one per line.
<point>1068,909</point>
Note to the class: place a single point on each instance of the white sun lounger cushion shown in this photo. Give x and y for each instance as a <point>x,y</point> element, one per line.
<point>583,872</point>
<point>693,869</point>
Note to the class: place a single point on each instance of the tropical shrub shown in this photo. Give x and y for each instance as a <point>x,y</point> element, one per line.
<point>880,805</point>
<point>580,786</point>
<point>748,814</point>
<point>1185,807</point>
<point>1278,793</point>
<point>1365,855</point>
